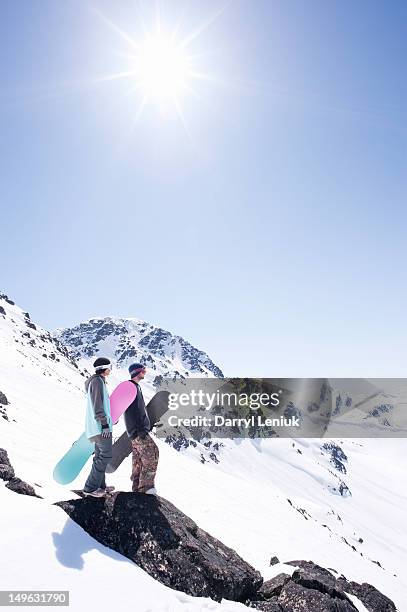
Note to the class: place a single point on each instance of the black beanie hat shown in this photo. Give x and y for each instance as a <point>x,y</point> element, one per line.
<point>136,368</point>
<point>102,363</point>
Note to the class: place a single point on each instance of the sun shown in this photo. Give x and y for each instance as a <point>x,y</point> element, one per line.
<point>162,68</point>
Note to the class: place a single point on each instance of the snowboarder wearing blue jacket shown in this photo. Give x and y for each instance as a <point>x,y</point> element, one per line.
<point>99,427</point>
<point>145,450</point>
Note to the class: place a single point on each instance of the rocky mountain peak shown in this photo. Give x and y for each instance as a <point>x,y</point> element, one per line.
<point>125,340</point>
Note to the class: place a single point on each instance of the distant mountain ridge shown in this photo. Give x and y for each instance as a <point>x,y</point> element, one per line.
<point>125,340</point>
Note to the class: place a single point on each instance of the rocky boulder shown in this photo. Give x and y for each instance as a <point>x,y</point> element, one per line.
<point>297,598</point>
<point>4,459</point>
<point>6,469</point>
<point>312,588</point>
<point>6,472</point>
<point>14,484</point>
<point>371,598</point>
<point>19,486</point>
<point>167,544</point>
<point>274,586</point>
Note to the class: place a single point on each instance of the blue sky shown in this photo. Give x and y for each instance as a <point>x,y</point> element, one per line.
<point>268,229</point>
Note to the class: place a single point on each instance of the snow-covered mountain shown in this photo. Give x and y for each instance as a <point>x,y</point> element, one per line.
<point>127,340</point>
<point>339,502</point>
<point>23,340</point>
<point>33,363</point>
<point>369,407</point>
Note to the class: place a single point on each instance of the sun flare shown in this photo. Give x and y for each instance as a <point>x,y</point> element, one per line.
<point>162,69</point>
<point>161,66</point>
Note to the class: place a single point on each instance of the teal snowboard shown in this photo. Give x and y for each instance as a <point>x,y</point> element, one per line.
<point>68,468</point>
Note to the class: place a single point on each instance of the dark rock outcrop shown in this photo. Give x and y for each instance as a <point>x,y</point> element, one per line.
<point>6,469</point>
<point>5,297</point>
<point>338,457</point>
<point>273,587</point>
<point>318,578</point>
<point>371,598</point>
<point>19,486</point>
<point>297,598</point>
<point>167,544</point>
<point>4,459</point>
<point>3,403</point>
<point>312,588</point>
<point>6,472</point>
<point>14,484</point>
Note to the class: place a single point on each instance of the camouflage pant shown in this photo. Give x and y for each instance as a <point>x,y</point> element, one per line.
<point>145,461</point>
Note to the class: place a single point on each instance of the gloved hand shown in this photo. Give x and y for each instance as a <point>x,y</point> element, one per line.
<point>106,433</point>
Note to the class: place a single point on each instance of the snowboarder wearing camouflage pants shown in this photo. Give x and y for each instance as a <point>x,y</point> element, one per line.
<point>145,450</point>
<point>99,427</point>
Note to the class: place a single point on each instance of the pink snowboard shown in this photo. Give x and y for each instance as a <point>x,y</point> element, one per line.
<point>121,398</point>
